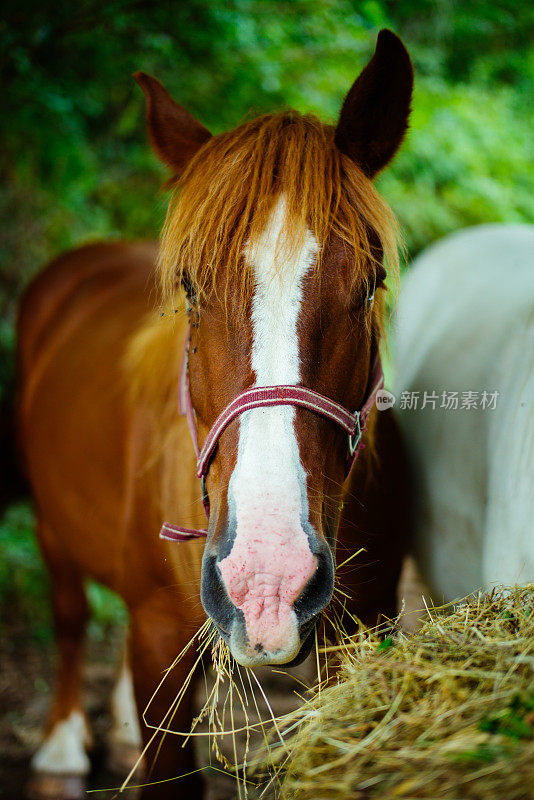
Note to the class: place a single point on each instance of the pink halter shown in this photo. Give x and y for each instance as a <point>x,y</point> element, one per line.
<point>262,397</point>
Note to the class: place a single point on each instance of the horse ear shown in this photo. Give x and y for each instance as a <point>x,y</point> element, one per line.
<point>174,132</point>
<point>374,116</point>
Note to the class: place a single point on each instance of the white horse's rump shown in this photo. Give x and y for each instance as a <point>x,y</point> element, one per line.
<point>466,323</point>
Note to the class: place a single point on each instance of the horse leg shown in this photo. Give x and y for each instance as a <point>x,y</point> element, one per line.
<point>156,641</point>
<point>125,736</point>
<point>60,764</point>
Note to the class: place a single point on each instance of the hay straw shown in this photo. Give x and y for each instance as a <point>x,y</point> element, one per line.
<point>447,712</point>
<point>225,693</point>
<point>444,713</point>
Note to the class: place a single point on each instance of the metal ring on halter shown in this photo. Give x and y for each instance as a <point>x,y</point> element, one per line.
<point>354,438</point>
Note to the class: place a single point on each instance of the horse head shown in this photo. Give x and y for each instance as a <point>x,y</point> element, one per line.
<point>279,239</point>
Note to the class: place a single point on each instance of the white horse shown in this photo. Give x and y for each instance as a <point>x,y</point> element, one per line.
<point>466,324</point>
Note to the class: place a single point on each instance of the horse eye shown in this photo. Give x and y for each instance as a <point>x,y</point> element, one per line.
<point>380,277</point>
<point>364,301</point>
<point>372,293</point>
<point>189,289</point>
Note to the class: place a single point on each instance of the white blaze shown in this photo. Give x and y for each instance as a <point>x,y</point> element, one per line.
<point>269,465</point>
<point>270,561</point>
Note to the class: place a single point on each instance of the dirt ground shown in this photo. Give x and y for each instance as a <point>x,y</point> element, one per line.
<point>26,681</point>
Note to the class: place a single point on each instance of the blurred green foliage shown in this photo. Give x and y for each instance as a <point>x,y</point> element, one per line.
<point>75,165</point>
<point>24,584</point>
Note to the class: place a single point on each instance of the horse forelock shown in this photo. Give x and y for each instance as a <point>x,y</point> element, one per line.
<point>225,198</point>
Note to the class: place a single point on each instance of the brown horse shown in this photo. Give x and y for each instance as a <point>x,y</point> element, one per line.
<point>277,235</point>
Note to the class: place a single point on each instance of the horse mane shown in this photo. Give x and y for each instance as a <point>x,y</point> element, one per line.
<point>224,198</point>
<point>151,368</point>
<point>153,357</point>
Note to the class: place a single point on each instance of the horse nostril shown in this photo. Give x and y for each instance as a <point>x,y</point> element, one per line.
<point>318,591</point>
<point>213,595</point>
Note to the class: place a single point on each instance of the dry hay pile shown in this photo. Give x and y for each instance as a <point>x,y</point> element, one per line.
<point>444,713</point>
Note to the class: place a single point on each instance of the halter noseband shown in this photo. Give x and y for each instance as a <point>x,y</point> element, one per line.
<point>264,397</point>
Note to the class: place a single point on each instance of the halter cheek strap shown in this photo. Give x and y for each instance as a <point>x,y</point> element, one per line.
<point>353,424</point>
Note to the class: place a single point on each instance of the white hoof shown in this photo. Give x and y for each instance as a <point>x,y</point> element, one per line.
<point>63,750</point>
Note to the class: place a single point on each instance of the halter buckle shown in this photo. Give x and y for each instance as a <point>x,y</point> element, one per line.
<point>354,438</point>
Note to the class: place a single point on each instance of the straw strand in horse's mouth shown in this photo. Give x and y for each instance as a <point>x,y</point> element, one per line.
<point>226,668</point>
<point>243,691</point>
